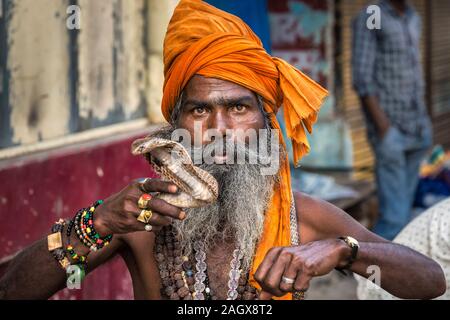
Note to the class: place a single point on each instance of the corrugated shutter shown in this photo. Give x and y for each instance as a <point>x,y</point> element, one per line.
<point>362,154</point>
<point>363,159</point>
<point>439,71</point>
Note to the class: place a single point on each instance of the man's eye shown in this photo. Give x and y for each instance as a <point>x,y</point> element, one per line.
<point>239,108</point>
<point>199,110</point>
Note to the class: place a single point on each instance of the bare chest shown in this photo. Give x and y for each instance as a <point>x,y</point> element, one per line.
<point>218,261</point>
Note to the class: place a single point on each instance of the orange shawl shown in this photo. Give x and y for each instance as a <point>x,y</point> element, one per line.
<point>204,40</point>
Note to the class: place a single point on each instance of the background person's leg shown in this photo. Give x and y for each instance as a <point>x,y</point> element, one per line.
<point>417,149</point>
<point>413,160</point>
<point>393,192</point>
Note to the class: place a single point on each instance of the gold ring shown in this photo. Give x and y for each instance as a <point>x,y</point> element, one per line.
<point>145,216</point>
<point>144,200</point>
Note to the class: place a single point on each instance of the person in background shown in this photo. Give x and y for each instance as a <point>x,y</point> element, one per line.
<point>387,76</point>
<point>428,234</point>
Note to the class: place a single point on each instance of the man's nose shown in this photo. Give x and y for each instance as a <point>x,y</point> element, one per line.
<point>219,123</point>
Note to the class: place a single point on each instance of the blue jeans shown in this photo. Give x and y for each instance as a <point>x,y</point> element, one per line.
<point>398,158</point>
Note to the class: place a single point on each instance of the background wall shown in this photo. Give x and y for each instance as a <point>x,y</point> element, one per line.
<point>71,103</point>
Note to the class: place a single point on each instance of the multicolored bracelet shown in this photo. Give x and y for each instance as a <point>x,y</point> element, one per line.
<point>70,249</point>
<point>82,236</point>
<point>84,227</point>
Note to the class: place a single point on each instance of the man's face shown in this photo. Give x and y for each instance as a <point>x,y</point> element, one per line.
<point>220,105</point>
<point>238,214</point>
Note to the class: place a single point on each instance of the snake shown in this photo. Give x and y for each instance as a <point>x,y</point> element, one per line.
<point>172,162</point>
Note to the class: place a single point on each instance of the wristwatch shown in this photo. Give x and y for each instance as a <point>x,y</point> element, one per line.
<point>354,245</point>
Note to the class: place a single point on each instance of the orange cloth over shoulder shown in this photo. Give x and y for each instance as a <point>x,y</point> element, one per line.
<point>204,40</point>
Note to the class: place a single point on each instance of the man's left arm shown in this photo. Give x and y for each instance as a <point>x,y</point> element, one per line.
<point>404,272</point>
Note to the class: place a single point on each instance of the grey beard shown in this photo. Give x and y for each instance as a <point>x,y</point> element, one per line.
<point>238,214</point>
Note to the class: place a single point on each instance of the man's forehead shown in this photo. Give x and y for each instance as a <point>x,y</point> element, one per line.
<point>202,88</point>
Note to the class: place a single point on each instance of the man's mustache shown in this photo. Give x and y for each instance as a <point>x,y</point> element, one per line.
<point>234,150</point>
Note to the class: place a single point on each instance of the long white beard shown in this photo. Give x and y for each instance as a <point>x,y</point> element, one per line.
<point>238,214</point>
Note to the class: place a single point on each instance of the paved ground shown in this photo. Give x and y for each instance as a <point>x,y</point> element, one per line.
<point>333,286</point>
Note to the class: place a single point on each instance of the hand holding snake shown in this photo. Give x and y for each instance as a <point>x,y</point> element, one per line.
<point>134,208</point>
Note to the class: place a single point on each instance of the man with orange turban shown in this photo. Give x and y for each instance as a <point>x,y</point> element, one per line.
<point>260,239</point>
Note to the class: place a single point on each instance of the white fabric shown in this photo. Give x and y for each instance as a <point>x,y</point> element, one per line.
<point>428,234</point>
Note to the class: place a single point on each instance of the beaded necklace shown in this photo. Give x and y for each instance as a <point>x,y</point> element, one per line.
<point>180,281</point>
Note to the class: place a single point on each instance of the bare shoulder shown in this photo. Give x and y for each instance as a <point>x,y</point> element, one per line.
<point>319,219</point>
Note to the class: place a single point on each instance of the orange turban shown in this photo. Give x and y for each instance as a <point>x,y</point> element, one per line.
<point>204,40</point>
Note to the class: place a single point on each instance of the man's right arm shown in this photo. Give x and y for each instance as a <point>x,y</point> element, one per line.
<point>364,49</point>
<point>35,274</point>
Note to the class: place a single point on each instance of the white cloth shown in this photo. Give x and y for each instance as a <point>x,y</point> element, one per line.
<point>428,234</point>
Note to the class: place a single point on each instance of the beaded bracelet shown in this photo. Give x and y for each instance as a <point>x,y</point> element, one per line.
<point>88,223</point>
<point>84,227</point>
<point>70,249</point>
<point>81,261</point>
<point>56,247</point>
<point>82,236</point>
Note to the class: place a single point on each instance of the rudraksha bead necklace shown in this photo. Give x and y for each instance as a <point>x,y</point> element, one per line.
<point>187,278</point>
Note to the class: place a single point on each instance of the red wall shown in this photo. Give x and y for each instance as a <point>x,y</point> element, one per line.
<point>37,190</point>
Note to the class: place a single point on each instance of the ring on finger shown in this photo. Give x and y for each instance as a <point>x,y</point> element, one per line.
<point>145,216</point>
<point>287,280</point>
<point>144,200</point>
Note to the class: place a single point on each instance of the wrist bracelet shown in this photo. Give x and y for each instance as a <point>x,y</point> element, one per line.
<point>82,236</point>
<point>55,244</point>
<point>70,249</point>
<point>56,247</point>
<point>88,223</point>
<point>84,227</point>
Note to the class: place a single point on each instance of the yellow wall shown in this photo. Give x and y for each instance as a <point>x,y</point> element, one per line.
<point>58,81</point>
